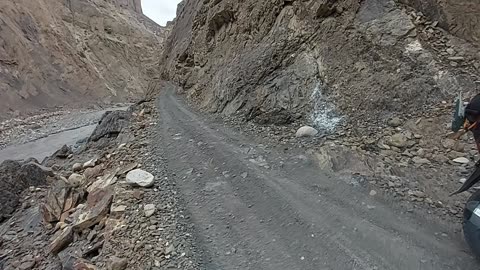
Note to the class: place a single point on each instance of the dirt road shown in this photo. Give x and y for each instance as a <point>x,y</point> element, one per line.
<point>258,207</point>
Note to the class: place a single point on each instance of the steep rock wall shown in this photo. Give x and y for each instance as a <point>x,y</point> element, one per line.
<point>65,52</point>
<point>282,60</point>
<point>134,5</point>
<point>460,17</point>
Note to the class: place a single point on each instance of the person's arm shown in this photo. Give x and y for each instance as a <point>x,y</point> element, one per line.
<point>476,136</point>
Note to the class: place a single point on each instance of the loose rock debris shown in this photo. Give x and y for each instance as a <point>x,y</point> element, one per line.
<point>92,214</point>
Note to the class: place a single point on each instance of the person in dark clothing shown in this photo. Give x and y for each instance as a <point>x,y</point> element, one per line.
<point>472,119</point>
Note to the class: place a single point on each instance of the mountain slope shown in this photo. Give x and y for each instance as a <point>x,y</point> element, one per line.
<point>74,52</point>
<point>278,61</point>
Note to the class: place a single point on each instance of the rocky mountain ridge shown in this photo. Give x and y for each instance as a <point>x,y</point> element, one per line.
<point>56,53</point>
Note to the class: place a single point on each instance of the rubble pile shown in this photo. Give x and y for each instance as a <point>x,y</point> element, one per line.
<point>98,209</point>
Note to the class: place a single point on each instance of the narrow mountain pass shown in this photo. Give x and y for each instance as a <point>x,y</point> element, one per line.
<point>257,207</point>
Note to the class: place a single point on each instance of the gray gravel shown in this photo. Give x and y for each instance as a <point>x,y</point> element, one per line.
<point>255,206</point>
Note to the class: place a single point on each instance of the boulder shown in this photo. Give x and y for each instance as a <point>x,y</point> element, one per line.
<point>117,211</point>
<point>453,145</point>
<point>110,125</point>
<point>93,172</point>
<point>103,182</point>
<point>33,173</point>
<point>52,208</point>
<point>140,177</point>
<point>63,152</point>
<point>149,209</point>
<point>76,179</point>
<point>14,178</point>
<point>306,131</point>
<point>98,206</point>
<point>61,241</point>
<point>395,122</point>
<point>461,160</point>
<point>61,198</point>
<point>77,167</point>
<point>90,163</point>
<point>398,140</point>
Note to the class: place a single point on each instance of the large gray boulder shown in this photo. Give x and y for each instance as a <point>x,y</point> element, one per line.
<point>306,131</point>
<point>140,178</point>
<point>15,177</point>
<point>110,126</point>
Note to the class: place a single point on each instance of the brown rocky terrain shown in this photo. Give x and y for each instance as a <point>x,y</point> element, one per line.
<point>282,60</point>
<point>458,17</point>
<point>167,185</point>
<point>56,53</point>
<point>83,210</point>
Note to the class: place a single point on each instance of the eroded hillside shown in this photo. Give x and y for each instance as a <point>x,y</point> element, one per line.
<point>55,52</point>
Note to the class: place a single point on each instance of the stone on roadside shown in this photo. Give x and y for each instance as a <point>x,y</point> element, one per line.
<point>306,131</point>
<point>373,193</point>
<point>140,177</point>
<point>61,241</point>
<point>110,126</point>
<point>149,209</point>
<point>127,168</point>
<point>117,263</point>
<point>53,206</point>
<point>90,164</point>
<point>92,172</point>
<point>76,179</point>
<point>454,145</point>
<point>63,152</point>
<point>462,180</point>
<point>77,167</point>
<point>398,140</point>
<point>98,205</point>
<point>103,182</point>
<point>420,161</point>
<point>117,211</point>
<point>454,154</point>
<point>36,171</point>
<point>461,160</point>
<point>395,122</point>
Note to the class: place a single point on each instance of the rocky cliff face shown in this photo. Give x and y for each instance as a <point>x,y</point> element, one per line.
<point>134,5</point>
<point>59,52</point>
<point>460,17</point>
<point>320,61</point>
